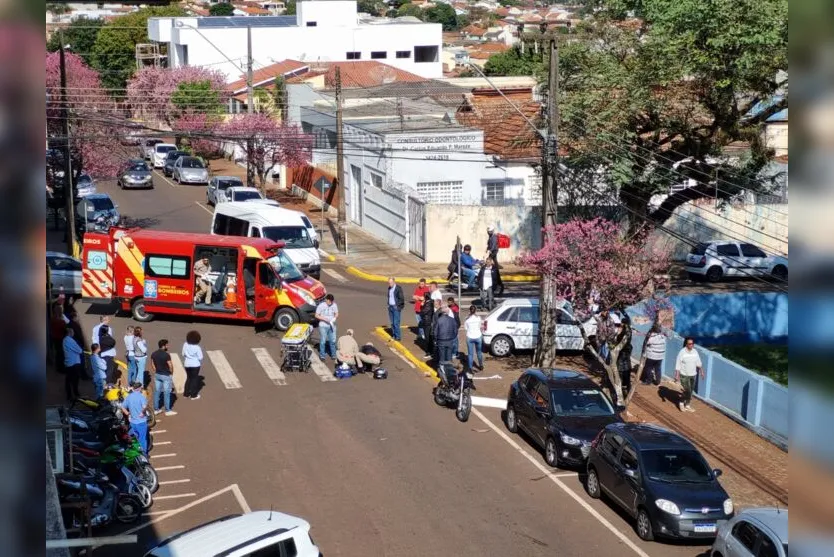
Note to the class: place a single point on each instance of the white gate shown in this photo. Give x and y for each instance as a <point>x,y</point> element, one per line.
<point>356,197</point>
<point>417,227</point>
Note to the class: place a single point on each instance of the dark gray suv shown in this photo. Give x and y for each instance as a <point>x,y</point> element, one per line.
<point>660,479</point>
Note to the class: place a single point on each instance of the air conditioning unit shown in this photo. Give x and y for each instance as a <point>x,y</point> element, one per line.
<point>55,440</point>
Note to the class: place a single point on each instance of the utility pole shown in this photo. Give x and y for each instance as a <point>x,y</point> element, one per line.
<point>545,355</point>
<point>250,108</point>
<point>340,164</point>
<point>68,187</point>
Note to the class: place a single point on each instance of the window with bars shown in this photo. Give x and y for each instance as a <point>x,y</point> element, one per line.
<point>442,193</point>
<point>353,55</point>
<point>494,192</point>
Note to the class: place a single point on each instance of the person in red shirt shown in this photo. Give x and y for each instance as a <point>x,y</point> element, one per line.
<point>419,295</point>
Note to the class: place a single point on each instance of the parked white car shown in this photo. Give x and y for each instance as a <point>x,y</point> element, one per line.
<point>240,193</point>
<point>64,272</point>
<point>148,145</point>
<point>255,533</point>
<point>514,325</point>
<point>160,151</point>
<point>217,186</point>
<point>719,259</point>
<point>753,532</point>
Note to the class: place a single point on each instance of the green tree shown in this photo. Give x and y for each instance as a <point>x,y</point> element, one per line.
<point>80,35</point>
<point>114,52</point>
<point>372,7</point>
<point>652,91</point>
<point>222,8</point>
<point>290,10</point>
<point>413,10</point>
<point>443,13</point>
<point>57,9</point>
<point>513,62</point>
<point>197,96</point>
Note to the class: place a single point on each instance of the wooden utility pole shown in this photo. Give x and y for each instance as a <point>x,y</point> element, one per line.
<point>65,130</point>
<point>340,165</point>
<point>545,355</point>
<point>250,108</point>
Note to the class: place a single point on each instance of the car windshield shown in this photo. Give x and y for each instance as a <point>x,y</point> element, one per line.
<point>165,148</point>
<point>581,402</point>
<point>285,267</point>
<point>101,203</point>
<point>292,236</point>
<point>192,162</point>
<point>676,466</point>
<point>138,167</point>
<point>226,184</point>
<point>174,155</point>
<point>699,249</point>
<point>246,195</point>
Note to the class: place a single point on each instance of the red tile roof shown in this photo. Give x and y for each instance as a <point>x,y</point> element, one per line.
<point>365,73</point>
<point>506,134</point>
<point>268,74</point>
<point>474,30</point>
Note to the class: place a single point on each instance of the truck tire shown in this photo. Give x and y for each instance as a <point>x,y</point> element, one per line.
<point>138,311</point>
<point>285,318</point>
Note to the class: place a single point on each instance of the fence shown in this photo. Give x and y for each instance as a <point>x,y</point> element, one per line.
<point>745,395</point>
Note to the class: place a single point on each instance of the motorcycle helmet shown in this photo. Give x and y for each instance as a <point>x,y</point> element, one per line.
<point>380,373</point>
<point>112,394</point>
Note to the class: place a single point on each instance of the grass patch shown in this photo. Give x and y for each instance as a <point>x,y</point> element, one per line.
<point>766,359</point>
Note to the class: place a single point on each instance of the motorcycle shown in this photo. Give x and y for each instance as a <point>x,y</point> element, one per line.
<point>127,481</point>
<point>108,503</point>
<point>455,388</point>
<point>452,283</point>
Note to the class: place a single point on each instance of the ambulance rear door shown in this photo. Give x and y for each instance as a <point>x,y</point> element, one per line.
<point>97,270</point>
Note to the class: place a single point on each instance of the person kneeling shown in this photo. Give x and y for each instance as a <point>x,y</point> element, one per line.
<point>348,352</point>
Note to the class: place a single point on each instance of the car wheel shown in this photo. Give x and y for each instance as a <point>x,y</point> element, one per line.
<point>285,318</point>
<point>551,453</point>
<point>512,419</point>
<point>715,273</point>
<point>501,346</point>
<point>592,484</point>
<point>139,312</point>
<point>780,272</point>
<point>644,526</point>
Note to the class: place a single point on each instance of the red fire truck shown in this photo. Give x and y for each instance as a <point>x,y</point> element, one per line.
<point>151,272</point>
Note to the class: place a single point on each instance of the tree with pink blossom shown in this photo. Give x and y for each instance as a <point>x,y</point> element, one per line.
<point>196,131</point>
<point>590,262</point>
<point>93,119</point>
<point>151,92</point>
<point>267,144</point>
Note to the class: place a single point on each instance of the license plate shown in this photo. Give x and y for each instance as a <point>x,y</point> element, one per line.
<point>705,528</point>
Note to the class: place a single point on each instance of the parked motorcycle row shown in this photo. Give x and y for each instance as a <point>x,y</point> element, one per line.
<point>108,467</point>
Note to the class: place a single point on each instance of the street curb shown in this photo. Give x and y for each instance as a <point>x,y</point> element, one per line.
<point>406,353</point>
<point>408,280</point>
<point>327,256</point>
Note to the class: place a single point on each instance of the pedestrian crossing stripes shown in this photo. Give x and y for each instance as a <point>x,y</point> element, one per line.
<point>179,373</point>
<point>272,369</point>
<point>334,274</point>
<point>320,368</point>
<point>224,369</point>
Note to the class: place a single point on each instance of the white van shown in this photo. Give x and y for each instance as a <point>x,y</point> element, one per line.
<point>257,220</point>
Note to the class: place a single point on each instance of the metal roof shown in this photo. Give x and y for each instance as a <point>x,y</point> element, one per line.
<point>244,21</point>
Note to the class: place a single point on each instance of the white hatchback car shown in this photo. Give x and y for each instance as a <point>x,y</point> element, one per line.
<point>514,325</point>
<point>718,259</point>
<point>264,533</point>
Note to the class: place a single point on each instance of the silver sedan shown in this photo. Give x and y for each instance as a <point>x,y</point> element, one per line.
<point>190,170</point>
<point>135,174</point>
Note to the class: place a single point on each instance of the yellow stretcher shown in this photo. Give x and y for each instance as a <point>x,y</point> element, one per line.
<point>295,354</point>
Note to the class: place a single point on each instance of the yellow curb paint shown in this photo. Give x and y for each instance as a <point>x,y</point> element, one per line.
<point>408,280</point>
<point>331,257</point>
<point>406,353</point>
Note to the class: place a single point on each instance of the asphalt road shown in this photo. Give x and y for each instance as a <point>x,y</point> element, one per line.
<point>375,466</point>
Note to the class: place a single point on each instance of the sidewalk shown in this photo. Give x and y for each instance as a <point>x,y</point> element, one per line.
<point>755,471</point>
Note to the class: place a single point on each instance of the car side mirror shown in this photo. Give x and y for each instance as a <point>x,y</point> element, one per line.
<point>717,472</point>
<point>543,412</point>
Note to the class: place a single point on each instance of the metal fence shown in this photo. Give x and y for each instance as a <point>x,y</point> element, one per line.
<point>751,398</point>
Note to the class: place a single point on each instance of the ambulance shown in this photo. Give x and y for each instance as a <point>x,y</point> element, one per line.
<point>151,272</point>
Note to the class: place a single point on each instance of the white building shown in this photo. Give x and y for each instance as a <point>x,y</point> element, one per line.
<point>322,30</point>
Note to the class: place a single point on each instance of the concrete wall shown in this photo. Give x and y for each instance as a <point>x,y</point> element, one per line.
<point>385,214</point>
<point>732,317</point>
<point>763,225</point>
<point>444,222</point>
<point>522,185</point>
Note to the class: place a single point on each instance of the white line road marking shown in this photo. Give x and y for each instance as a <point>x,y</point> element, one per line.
<point>163,468</point>
<point>623,538</point>
<point>273,370</point>
<point>320,368</point>
<point>179,373</point>
<point>489,402</point>
<point>157,443</point>
<point>170,482</point>
<point>334,274</point>
<point>178,496</point>
<point>564,475</point>
<point>169,455</point>
<point>324,253</point>
<point>162,175</point>
<point>233,488</point>
<point>158,431</point>
<point>403,358</point>
<point>224,370</point>
<point>155,513</point>
<point>204,208</point>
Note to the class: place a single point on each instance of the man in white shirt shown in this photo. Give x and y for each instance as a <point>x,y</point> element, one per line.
<point>687,366</point>
<point>109,355</point>
<point>327,312</point>
<point>436,294</point>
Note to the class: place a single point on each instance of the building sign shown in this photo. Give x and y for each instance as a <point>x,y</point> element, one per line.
<point>439,147</point>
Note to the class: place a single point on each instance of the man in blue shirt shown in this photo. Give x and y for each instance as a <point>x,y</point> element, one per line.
<point>99,369</point>
<point>467,266</point>
<point>135,407</point>
<point>72,363</point>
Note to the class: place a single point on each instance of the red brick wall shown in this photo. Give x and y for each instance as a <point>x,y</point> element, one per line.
<point>306,176</point>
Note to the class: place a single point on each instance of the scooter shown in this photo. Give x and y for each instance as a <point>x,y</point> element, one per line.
<point>108,503</point>
<point>452,284</point>
<point>454,388</point>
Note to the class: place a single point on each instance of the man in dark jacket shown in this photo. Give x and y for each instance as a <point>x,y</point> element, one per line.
<point>427,321</point>
<point>446,331</point>
<point>492,253</point>
<point>396,303</point>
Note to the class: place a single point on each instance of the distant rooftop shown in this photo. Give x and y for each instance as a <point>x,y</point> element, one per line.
<point>246,21</point>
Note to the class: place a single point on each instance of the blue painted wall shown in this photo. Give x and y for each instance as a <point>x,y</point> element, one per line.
<point>733,317</point>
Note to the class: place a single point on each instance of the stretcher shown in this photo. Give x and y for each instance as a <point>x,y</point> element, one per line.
<point>295,353</point>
